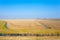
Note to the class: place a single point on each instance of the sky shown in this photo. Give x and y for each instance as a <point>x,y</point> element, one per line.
<point>29,9</point>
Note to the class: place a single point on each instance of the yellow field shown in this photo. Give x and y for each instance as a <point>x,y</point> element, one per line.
<point>54,24</point>
<point>28,38</point>
<point>29,27</point>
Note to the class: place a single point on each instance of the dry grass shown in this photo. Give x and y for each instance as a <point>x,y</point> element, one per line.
<point>29,26</point>
<point>28,38</point>
<point>54,24</point>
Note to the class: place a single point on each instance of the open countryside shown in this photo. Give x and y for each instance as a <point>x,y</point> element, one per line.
<point>30,29</point>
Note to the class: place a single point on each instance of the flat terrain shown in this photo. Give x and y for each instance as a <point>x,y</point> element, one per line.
<point>28,38</point>
<point>54,24</point>
<point>29,27</point>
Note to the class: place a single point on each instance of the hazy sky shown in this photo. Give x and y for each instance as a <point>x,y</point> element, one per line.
<point>21,9</point>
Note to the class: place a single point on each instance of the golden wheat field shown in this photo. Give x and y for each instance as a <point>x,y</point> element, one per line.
<point>30,26</point>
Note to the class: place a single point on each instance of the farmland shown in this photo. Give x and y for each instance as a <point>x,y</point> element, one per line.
<point>30,27</point>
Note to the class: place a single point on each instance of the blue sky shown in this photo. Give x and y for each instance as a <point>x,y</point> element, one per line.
<point>29,9</point>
